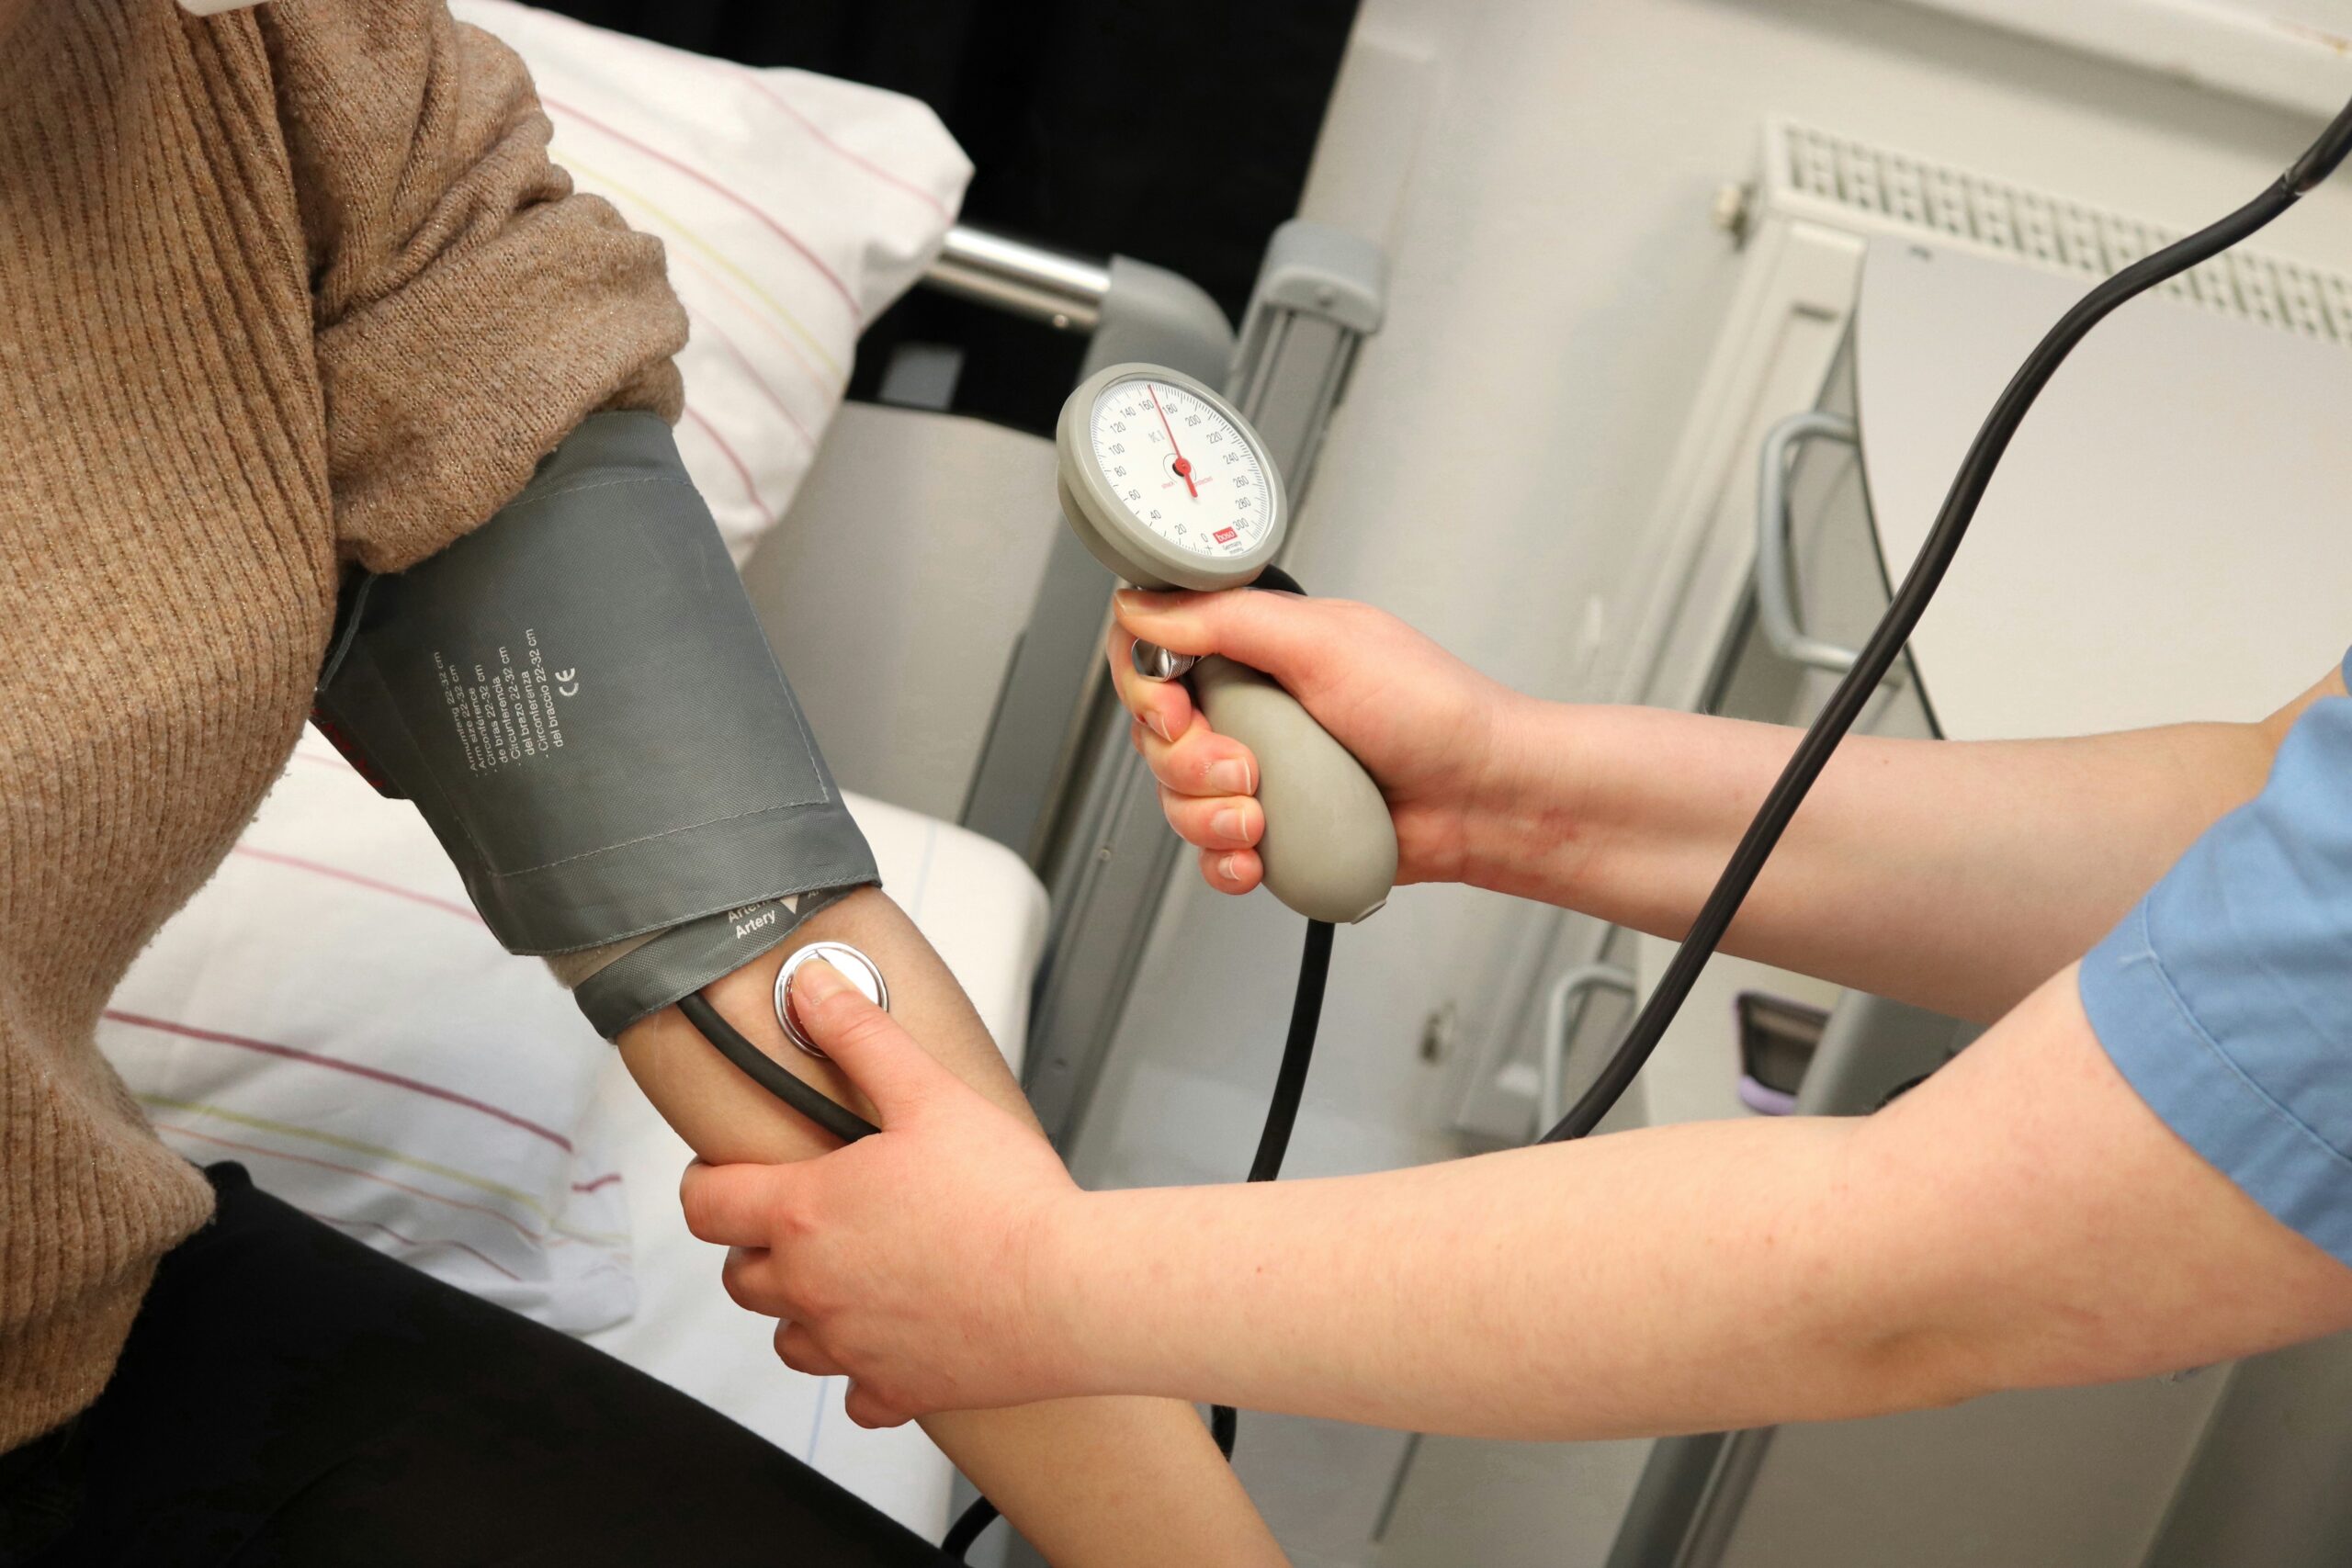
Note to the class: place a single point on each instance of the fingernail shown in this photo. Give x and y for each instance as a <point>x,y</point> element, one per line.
<point>1229,868</point>
<point>1144,601</point>
<point>1157,723</point>
<point>1229,777</point>
<point>818,979</point>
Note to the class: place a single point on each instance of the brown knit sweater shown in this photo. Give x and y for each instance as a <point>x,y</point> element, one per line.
<point>280,290</point>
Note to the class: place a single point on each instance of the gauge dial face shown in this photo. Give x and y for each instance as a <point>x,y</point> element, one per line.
<point>1182,467</point>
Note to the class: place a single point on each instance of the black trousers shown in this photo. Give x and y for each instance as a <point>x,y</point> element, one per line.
<point>291,1397</point>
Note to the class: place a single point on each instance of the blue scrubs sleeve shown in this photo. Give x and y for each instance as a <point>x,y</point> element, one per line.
<point>2226,997</point>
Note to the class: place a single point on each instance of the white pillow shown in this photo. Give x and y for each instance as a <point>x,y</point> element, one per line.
<point>330,1012</point>
<point>795,208</point>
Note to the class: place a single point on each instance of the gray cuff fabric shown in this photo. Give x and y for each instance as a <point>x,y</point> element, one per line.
<point>649,973</point>
<point>579,698</point>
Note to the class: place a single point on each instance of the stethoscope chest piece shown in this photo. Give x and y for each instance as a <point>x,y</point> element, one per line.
<point>853,966</point>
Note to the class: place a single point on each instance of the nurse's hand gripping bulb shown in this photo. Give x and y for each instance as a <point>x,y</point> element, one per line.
<point>1170,488</point>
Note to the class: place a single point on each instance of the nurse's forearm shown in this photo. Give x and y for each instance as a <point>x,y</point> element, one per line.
<point>1618,1287</point>
<point>1953,875</point>
<point>2020,1220</point>
<point>1088,1480</point>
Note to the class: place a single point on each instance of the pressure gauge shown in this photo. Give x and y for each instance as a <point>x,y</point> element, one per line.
<point>1170,488</point>
<point>1166,485</point>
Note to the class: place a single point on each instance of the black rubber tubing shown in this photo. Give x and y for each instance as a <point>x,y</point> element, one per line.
<point>1911,601</point>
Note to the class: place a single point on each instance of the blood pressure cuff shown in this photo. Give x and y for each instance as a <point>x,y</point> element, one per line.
<point>578,698</point>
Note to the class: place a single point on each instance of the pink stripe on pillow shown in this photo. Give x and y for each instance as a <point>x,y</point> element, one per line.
<point>410,1241</point>
<point>296,1053</point>
<point>622,195</point>
<point>751,486</point>
<point>712,332</point>
<point>527,1233</point>
<point>759,85</point>
<point>778,229</point>
<point>319,869</point>
<point>784,340</point>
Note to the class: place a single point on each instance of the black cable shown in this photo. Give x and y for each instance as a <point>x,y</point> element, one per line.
<point>2325,153</point>
<point>1910,601</point>
<point>770,1075</point>
<point>1772,820</point>
<point>1273,1143</point>
<point>1298,1053</point>
<point>1279,581</point>
<point>1281,1106</point>
<point>967,1528</point>
<point>1224,1428</point>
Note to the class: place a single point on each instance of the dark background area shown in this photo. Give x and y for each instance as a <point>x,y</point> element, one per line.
<point>1176,135</point>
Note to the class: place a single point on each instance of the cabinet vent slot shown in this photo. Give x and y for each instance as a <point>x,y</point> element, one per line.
<point>1813,173</point>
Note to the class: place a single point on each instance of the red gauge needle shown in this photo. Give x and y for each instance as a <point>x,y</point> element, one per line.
<point>1184,465</point>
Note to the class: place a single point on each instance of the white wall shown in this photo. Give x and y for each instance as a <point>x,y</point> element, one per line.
<point>1543,185</point>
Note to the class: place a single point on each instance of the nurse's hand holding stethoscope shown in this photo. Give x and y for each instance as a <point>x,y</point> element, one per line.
<point>927,1262</point>
<point>1434,734</point>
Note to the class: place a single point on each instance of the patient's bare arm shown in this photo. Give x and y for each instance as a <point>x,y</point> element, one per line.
<point>1130,1481</point>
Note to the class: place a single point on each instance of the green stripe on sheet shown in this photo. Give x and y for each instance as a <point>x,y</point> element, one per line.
<point>698,242</point>
<point>353,1145</point>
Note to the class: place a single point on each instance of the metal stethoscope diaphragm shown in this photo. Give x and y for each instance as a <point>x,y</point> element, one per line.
<point>853,965</point>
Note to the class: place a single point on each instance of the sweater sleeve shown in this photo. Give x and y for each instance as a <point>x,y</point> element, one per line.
<point>470,309</point>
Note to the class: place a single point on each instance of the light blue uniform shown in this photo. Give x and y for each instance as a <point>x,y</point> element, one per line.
<point>2226,997</point>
